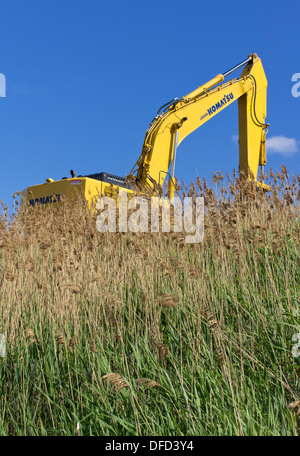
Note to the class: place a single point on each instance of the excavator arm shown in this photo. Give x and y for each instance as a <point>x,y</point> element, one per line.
<point>179,118</point>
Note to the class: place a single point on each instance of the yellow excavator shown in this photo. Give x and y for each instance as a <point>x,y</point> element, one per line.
<point>174,121</point>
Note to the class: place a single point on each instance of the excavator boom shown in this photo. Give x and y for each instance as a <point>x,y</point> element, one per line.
<point>181,117</point>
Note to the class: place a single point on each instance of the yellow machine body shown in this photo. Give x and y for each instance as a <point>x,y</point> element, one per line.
<point>53,192</point>
<point>174,122</point>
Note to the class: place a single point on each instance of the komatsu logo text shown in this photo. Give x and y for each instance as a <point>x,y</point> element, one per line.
<point>223,102</point>
<point>45,199</point>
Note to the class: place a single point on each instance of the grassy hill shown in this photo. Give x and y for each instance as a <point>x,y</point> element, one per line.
<point>143,334</point>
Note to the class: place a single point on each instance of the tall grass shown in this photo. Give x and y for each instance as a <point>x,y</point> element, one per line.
<point>143,334</point>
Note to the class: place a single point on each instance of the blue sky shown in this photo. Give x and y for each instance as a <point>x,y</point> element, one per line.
<point>85,78</point>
